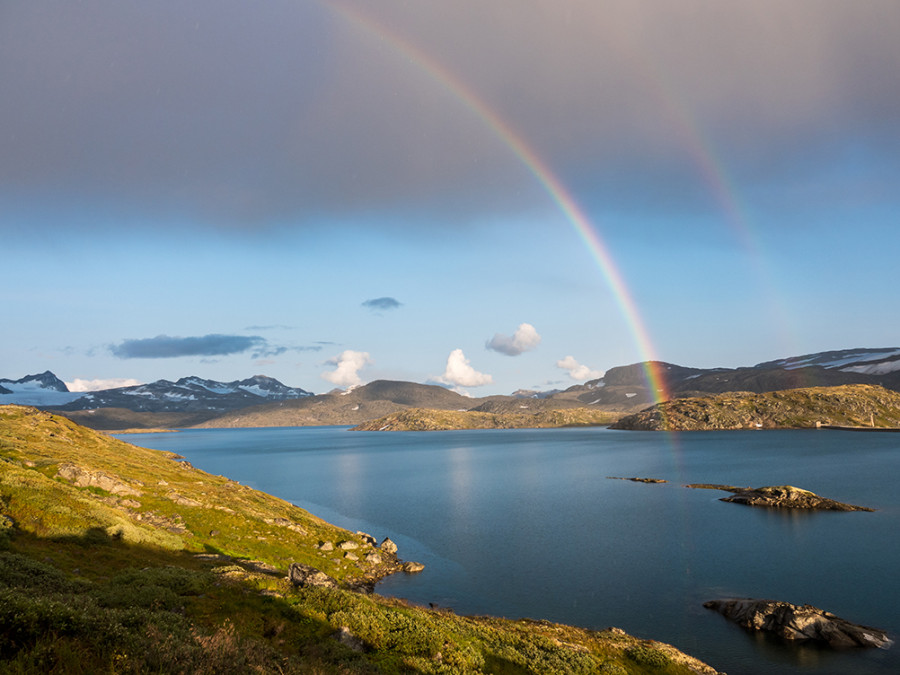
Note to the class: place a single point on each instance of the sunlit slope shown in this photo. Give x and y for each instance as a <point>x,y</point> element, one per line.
<point>153,566</point>
<point>423,419</point>
<point>856,405</point>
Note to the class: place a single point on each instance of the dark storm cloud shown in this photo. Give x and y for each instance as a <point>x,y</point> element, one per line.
<point>239,114</point>
<point>166,347</point>
<point>382,303</point>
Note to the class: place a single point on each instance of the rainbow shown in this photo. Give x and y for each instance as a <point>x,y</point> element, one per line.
<point>544,175</point>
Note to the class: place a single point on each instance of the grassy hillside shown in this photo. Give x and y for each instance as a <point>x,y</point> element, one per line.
<point>117,559</point>
<point>421,419</point>
<point>847,405</point>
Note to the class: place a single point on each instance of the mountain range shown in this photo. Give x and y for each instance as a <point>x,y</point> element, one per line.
<point>264,401</point>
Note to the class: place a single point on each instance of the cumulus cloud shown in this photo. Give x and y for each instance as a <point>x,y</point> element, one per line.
<point>524,339</point>
<point>167,347</point>
<point>382,303</point>
<point>347,366</point>
<point>79,385</point>
<point>577,371</point>
<point>461,374</point>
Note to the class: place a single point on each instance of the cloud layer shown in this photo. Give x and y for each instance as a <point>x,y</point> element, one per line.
<point>621,96</point>
<point>167,347</point>
<point>347,366</point>
<point>382,303</point>
<point>577,371</point>
<point>461,374</point>
<point>524,339</point>
<point>78,385</point>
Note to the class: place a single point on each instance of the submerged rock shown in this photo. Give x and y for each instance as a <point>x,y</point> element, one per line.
<point>799,623</point>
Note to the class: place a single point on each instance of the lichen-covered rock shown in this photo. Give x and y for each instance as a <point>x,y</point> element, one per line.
<point>388,546</point>
<point>81,477</point>
<point>799,623</point>
<point>305,575</point>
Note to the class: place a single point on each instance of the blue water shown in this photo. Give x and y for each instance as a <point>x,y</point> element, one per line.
<point>525,523</point>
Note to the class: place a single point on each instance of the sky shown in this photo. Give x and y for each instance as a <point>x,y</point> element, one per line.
<point>490,196</point>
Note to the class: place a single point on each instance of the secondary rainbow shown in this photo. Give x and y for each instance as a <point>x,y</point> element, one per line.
<point>541,172</point>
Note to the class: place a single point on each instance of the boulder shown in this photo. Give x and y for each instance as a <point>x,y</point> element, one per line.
<point>81,477</point>
<point>348,639</point>
<point>348,545</point>
<point>304,575</point>
<point>388,546</point>
<point>373,558</point>
<point>368,538</point>
<point>326,546</point>
<point>413,567</point>
<point>799,623</point>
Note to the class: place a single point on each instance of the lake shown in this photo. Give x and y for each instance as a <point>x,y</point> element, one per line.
<point>525,523</point>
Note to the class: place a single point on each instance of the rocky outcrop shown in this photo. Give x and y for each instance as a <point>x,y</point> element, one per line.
<point>639,480</point>
<point>388,546</point>
<point>799,623</point>
<point>81,477</point>
<point>781,496</point>
<point>304,575</point>
<point>855,405</point>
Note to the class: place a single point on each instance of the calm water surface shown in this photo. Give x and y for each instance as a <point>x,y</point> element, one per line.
<point>525,523</point>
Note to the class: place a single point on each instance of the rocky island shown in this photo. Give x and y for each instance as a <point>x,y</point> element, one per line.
<point>780,496</point>
<point>799,623</point>
<point>854,405</point>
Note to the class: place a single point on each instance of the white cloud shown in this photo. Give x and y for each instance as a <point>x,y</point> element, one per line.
<point>524,339</point>
<point>97,385</point>
<point>461,374</point>
<point>348,364</point>
<point>577,371</point>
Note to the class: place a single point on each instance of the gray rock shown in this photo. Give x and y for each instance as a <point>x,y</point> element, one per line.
<point>348,639</point>
<point>326,546</point>
<point>348,545</point>
<point>799,623</point>
<point>413,567</point>
<point>373,558</point>
<point>368,538</point>
<point>304,575</point>
<point>351,556</point>
<point>388,546</point>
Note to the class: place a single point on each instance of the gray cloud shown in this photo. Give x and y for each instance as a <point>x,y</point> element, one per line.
<point>524,339</point>
<point>166,347</point>
<point>382,303</point>
<point>222,113</point>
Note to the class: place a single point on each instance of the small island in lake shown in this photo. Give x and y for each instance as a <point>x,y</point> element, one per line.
<point>799,623</point>
<point>779,496</point>
<point>854,406</point>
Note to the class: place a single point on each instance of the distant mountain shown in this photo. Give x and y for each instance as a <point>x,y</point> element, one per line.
<point>187,395</point>
<point>262,401</point>
<point>44,389</point>
<point>626,387</point>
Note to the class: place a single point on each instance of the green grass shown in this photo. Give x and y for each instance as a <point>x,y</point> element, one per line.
<point>92,582</point>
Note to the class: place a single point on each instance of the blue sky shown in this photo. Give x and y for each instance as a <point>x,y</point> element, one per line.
<point>225,189</point>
